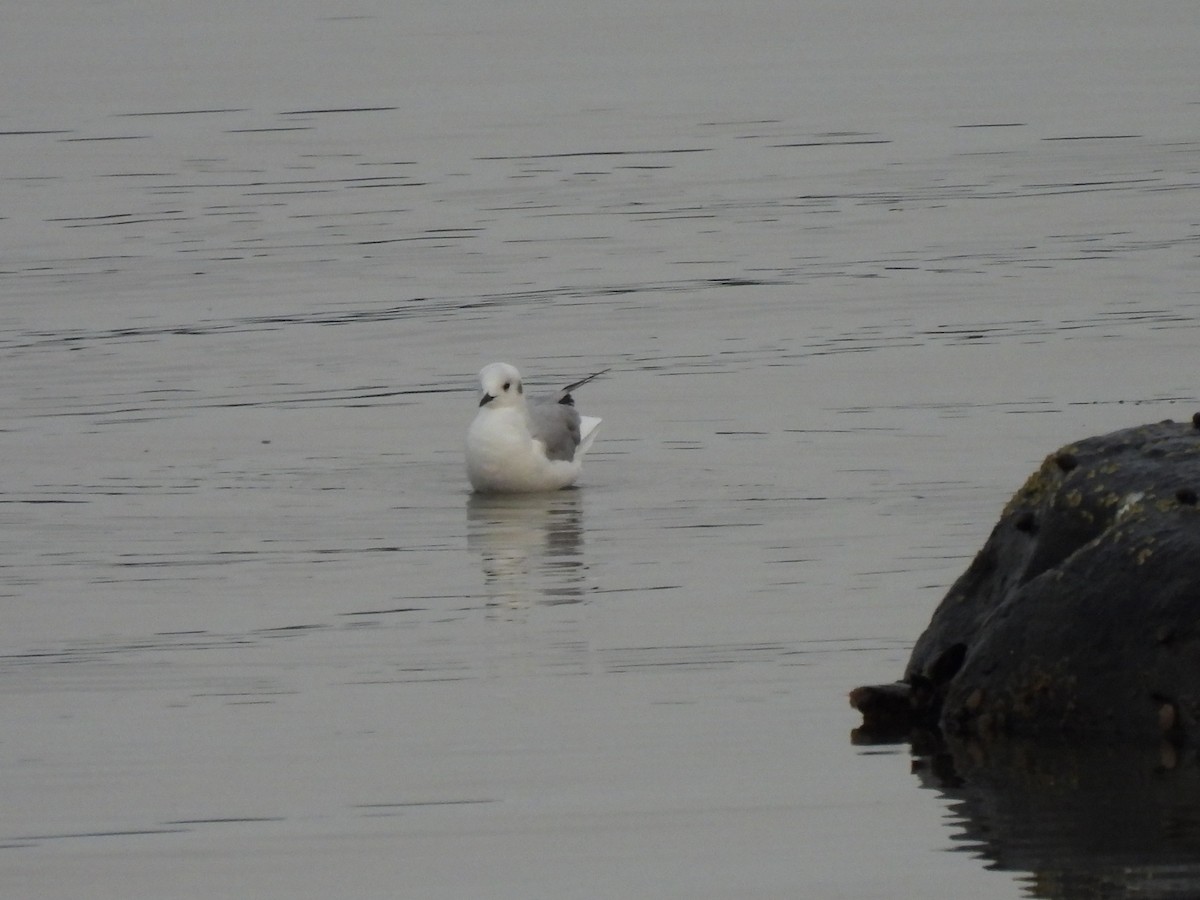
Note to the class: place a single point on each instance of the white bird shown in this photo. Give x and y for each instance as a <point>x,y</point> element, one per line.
<point>519,447</point>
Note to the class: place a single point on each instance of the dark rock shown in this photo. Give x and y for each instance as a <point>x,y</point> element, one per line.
<point>887,711</point>
<point>1081,614</point>
<point>1066,461</point>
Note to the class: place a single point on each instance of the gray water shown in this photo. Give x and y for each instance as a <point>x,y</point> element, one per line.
<point>856,269</point>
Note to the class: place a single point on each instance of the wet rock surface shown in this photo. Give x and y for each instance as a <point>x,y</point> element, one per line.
<point>1080,615</point>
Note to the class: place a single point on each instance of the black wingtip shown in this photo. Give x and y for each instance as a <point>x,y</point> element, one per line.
<point>582,381</point>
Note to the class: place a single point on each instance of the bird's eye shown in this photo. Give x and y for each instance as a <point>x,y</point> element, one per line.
<point>507,385</point>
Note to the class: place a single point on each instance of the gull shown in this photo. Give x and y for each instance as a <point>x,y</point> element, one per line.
<point>519,447</point>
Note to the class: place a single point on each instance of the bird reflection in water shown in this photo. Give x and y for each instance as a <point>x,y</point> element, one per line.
<point>530,546</point>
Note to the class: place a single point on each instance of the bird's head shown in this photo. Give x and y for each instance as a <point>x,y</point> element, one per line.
<point>501,385</point>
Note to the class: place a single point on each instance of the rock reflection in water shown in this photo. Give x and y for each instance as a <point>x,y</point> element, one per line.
<point>1084,821</point>
<point>530,546</point>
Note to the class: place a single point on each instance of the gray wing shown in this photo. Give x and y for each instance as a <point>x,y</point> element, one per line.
<point>556,425</point>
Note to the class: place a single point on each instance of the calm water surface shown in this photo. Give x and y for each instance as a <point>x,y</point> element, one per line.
<point>853,284</point>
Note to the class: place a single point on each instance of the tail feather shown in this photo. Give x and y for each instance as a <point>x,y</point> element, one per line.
<point>588,426</point>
